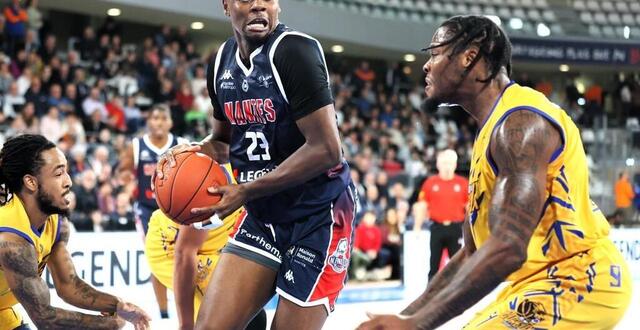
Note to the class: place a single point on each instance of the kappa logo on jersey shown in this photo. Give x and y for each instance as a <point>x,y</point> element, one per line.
<point>226,75</point>
<point>338,260</point>
<point>250,111</point>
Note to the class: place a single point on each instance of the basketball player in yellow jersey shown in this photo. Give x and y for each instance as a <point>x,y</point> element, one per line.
<point>33,234</point>
<point>531,221</point>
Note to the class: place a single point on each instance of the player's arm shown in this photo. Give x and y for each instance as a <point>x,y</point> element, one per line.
<point>19,264</point>
<point>442,278</point>
<point>74,291</point>
<point>184,279</point>
<point>521,148</point>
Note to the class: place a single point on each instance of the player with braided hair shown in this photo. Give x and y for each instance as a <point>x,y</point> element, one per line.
<point>530,220</point>
<point>34,233</point>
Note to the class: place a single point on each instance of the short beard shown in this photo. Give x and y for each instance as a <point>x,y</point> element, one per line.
<point>45,204</point>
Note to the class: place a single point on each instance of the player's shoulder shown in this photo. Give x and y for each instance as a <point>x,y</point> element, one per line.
<point>291,42</point>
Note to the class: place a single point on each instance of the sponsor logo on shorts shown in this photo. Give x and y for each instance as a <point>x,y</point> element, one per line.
<point>264,243</point>
<point>338,260</point>
<point>527,315</point>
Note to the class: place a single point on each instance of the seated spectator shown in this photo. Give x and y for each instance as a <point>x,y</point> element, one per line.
<point>26,122</point>
<point>123,217</point>
<point>368,242</point>
<point>24,81</point>
<point>90,218</point>
<point>391,232</point>
<point>51,125</point>
<point>13,101</point>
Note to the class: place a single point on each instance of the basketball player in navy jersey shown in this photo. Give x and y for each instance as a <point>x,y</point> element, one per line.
<point>275,121</point>
<point>141,158</point>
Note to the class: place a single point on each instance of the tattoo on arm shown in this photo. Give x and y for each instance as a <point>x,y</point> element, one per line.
<point>19,263</point>
<point>70,286</point>
<point>521,147</point>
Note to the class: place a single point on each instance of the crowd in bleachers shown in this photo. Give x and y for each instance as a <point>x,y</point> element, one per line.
<point>92,97</point>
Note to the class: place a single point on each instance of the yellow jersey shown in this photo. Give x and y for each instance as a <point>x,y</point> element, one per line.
<point>570,222</point>
<point>14,219</point>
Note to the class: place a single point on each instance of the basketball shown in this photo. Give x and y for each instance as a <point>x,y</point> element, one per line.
<point>184,186</point>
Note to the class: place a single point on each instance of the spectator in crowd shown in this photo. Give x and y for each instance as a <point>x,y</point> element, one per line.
<point>122,219</point>
<point>87,203</point>
<point>368,242</point>
<point>391,232</point>
<point>16,25</point>
<point>37,97</point>
<point>624,195</point>
<point>445,197</point>
<point>26,122</point>
<point>51,125</point>
<point>34,17</point>
<point>13,101</point>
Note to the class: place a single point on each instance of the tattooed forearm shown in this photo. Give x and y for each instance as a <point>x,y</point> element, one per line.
<point>71,288</point>
<point>56,318</point>
<point>522,148</point>
<point>19,263</point>
<point>85,296</point>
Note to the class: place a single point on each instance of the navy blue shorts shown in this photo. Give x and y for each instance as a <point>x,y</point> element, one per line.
<point>143,215</point>
<point>311,255</point>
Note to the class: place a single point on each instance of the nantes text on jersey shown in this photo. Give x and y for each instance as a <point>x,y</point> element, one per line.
<point>262,101</point>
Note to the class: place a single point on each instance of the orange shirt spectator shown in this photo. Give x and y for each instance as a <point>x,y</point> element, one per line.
<point>623,192</point>
<point>364,73</point>
<point>594,94</point>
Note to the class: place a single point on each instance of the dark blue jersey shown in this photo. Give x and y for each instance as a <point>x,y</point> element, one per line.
<point>145,157</point>
<point>286,79</point>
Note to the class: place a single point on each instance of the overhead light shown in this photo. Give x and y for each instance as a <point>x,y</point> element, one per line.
<point>495,19</point>
<point>626,32</point>
<point>516,23</point>
<point>543,30</point>
<point>564,68</point>
<point>197,25</point>
<point>114,12</point>
<point>581,101</point>
<point>337,48</point>
<point>409,58</point>
<point>630,161</point>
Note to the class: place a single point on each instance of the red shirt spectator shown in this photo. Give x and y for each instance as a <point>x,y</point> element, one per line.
<point>446,199</point>
<point>368,235</point>
<point>446,194</point>
<point>116,114</point>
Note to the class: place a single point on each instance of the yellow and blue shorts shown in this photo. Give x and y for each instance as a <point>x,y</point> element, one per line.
<point>590,290</point>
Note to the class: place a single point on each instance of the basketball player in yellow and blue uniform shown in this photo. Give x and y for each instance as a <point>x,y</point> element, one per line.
<point>531,221</point>
<point>183,259</point>
<point>34,234</point>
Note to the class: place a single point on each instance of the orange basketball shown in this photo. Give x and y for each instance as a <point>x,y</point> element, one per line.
<point>184,186</point>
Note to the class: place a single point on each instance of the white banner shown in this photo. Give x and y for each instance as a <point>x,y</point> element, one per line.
<point>416,256</point>
<point>628,242</point>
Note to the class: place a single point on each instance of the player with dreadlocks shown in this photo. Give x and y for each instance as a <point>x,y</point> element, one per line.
<point>530,220</point>
<point>34,233</point>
